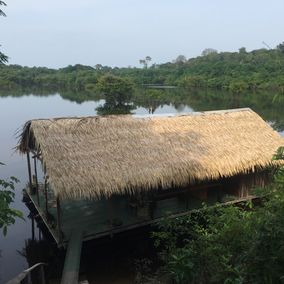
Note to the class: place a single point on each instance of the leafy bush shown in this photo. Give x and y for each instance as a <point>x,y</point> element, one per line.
<point>7,195</point>
<point>228,244</point>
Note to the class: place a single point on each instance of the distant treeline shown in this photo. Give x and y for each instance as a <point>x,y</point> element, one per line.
<point>234,71</point>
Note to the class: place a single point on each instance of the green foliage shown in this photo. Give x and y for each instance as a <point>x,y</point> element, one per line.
<point>279,175</point>
<point>117,92</point>
<point>208,51</point>
<point>235,71</point>
<point>115,88</point>
<point>7,195</point>
<point>227,244</point>
<point>192,82</point>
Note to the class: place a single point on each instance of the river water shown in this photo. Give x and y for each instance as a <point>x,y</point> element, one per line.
<point>16,110</point>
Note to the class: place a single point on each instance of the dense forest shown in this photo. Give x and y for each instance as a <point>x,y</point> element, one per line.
<point>233,71</point>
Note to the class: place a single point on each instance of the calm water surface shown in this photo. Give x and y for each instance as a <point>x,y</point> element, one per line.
<point>15,111</point>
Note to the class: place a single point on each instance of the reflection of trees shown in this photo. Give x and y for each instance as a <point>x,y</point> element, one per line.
<point>261,102</point>
<point>151,99</point>
<point>269,105</point>
<point>114,108</point>
<point>80,97</point>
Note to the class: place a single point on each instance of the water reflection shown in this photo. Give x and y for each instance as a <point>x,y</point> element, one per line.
<point>269,105</point>
<point>111,108</point>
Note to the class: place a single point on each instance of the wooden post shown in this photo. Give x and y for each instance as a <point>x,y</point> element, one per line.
<point>42,275</point>
<point>29,280</point>
<point>46,197</point>
<point>58,219</point>
<point>30,172</point>
<point>110,215</point>
<point>36,180</point>
<point>187,199</point>
<point>70,274</point>
<point>33,226</point>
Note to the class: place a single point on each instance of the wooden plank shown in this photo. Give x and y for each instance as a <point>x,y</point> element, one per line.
<point>71,268</point>
<point>36,180</point>
<point>58,211</point>
<point>30,171</point>
<point>45,195</point>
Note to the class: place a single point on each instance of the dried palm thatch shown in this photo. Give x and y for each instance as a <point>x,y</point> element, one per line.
<point>93,157</point>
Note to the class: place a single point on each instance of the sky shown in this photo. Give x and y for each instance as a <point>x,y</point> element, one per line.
<point>57,33</point>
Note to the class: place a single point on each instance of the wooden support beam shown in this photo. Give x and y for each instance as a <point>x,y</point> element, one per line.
<point>36,180</point>
<point>187,196</point>
<point>71,268</point>
<point>165,194</point>
<point>30,172</point>
<point>110,214</point>
<point>42,275</point>
<point>58,211</point>
<point>36,155</point>
<point>33,227</point>
<point>46,197</point>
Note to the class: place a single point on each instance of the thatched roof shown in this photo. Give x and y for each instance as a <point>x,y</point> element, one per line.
<point>94,156</point>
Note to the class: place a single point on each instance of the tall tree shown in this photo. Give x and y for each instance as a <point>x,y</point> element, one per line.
<point>180,59</point>
<point>145,61</point>
<point>117,92</point>
<point>208,51</point>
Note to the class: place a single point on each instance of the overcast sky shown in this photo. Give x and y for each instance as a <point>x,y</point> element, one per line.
<point>56,33</point>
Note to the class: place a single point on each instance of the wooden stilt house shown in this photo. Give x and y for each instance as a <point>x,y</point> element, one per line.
<point>105,175</point>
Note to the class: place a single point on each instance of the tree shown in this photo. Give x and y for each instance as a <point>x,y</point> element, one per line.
<point>242,50</point>
<point>3,57</point>
<point>148,59</point>
<point>208,51</point>
<point>8,215</point>
<point>180,59</point>
<point>117,92</point>
<point>98,66</point>
<point>280,47</point>
<point>145,61</point>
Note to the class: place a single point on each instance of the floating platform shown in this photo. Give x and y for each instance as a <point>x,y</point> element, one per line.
<point>102,218</point>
